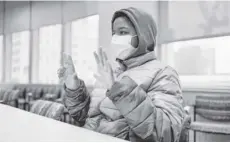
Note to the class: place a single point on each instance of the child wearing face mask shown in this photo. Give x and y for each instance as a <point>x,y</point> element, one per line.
<point>121,46</point>
<point>142,98</point>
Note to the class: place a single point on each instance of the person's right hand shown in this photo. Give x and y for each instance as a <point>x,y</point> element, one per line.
<point>68,75</point>
<point>71,81</point>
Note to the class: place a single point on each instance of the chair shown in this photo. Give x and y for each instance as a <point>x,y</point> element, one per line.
<point>48,109</point>
<point>9,97</point>
<point>210,119</point>
<point>21,98</point>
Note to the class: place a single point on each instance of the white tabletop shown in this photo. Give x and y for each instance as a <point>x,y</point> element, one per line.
<point>19,125</point>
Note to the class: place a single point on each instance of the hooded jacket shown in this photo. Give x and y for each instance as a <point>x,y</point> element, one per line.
<point>144,104</point>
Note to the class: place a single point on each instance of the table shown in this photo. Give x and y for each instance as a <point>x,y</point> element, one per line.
<point>22,126</point>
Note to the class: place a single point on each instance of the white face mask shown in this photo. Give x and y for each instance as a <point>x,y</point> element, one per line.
<point>120,47</point>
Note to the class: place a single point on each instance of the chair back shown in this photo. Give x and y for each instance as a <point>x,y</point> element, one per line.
<point>211,118</point>
<point>9,96</point>
<point>48,109</point>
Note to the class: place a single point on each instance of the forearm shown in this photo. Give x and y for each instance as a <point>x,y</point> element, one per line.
<point>147,120</point>
<point>77,102</point>
<point>139,114</point>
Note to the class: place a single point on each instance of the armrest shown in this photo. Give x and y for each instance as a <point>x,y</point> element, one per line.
<point>21,101</point>
<point>210,127</point>
<point>29,96</point>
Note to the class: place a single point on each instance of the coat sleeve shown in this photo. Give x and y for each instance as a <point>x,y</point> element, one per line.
<point>153,115</point>
<point>77,102</point>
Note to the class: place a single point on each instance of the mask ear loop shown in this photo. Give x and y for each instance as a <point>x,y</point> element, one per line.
<point>132,41</point>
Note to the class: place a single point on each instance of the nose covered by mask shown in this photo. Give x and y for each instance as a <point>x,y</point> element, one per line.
<point>120,47</point>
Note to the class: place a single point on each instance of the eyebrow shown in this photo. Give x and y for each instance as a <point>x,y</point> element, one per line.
<point>123,28</point>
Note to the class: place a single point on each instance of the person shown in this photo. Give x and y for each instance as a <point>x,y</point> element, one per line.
<point>141,98</point>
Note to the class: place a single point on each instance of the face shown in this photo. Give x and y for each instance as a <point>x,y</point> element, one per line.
<point>122,26</point>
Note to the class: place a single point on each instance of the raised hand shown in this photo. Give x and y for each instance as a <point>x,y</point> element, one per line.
<point>105,75</point>
<point>67,73</point>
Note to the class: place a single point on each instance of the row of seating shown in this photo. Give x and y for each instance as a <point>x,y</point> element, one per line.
<point>23,96</point>
<point>208,120</point>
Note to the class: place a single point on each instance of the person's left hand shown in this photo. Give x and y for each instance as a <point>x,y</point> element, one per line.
<point>105,75</point>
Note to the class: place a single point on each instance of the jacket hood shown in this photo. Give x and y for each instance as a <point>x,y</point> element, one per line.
<point>145,28</point>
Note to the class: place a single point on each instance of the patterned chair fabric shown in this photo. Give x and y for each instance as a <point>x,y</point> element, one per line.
<point>210,119</point>
<point>48,109</point>
<point>30,93</point>
<point>9,96</point>
<point>213,107</point>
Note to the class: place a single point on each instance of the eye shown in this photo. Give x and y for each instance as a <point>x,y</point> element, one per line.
<point>124,32</point>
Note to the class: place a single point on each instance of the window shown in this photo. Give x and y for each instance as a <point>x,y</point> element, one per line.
<point>49,53</point>
<point>85,37</point>
<point>1,57</point>
<point>202,60</point>
<point>20,57</point>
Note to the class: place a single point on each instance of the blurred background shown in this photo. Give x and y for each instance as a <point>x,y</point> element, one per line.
<point>193,37</point>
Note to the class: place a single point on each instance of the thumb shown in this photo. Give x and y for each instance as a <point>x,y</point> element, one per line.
<point>75,76</point>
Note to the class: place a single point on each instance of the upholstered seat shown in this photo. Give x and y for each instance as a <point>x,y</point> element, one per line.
<point>9,96</point>
<point>48,109</point>
<point>30,93</point>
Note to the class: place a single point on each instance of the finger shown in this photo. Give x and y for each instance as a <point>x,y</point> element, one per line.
<point>61,72</point>
<point>68,62</point>
<point>111,73</point>
<point>75,76</point>
<point>61,69</point>
<point>101,56</point>
<point>60,75</point>
<point>107,66</point>
<point>98,78</point>
<point>105,56</point>
<point>96,58</point>
<point>65,59</point>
